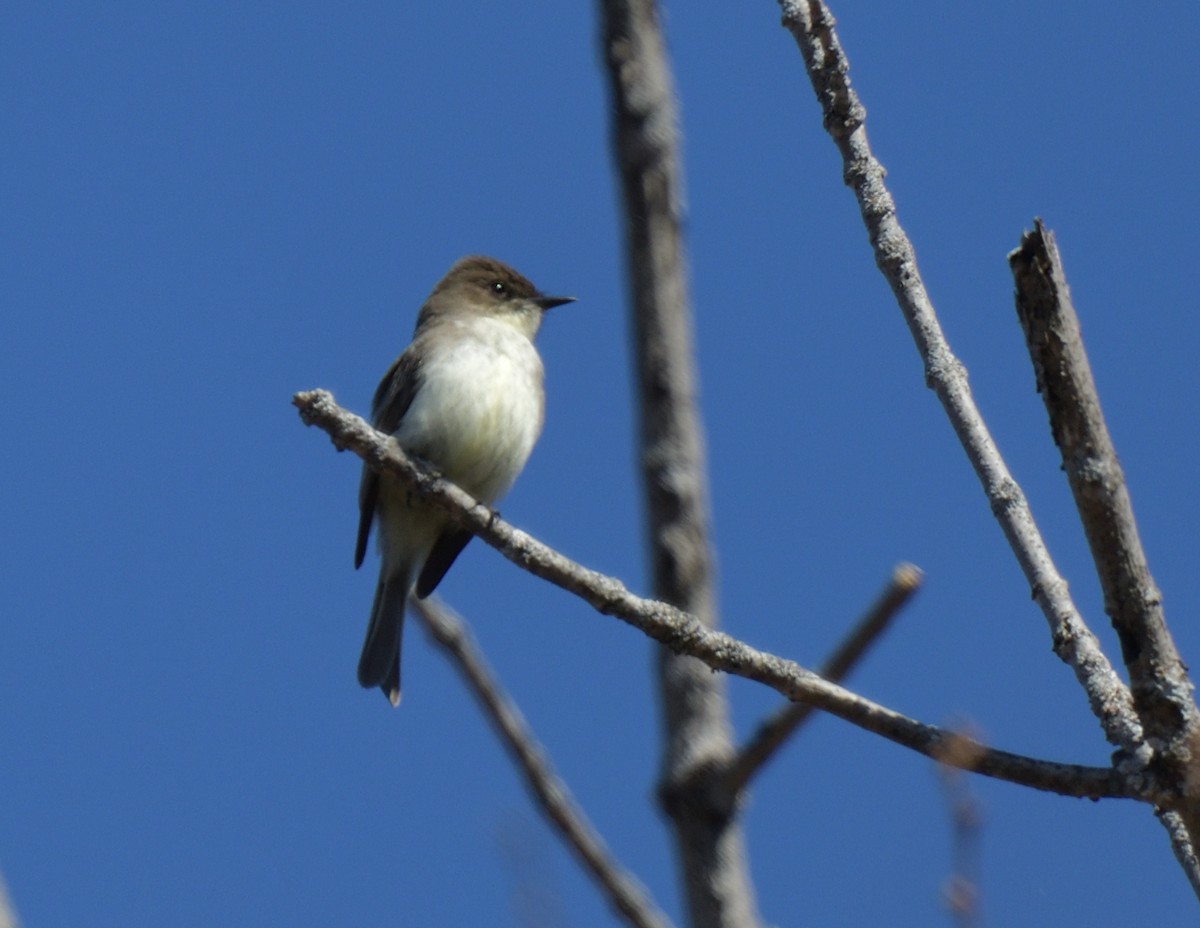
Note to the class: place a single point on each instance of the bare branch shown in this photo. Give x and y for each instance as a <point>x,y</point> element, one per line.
<point>811,24</point>
<point>8,915</point>
<point>698,737</point>
<point>683,634</point>
<point>625,894</point>
<point>1181,845</point>
<point>1162,692</point>
<point>786,721</point>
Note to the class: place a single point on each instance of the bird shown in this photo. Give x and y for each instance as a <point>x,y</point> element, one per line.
<point>467,398</point>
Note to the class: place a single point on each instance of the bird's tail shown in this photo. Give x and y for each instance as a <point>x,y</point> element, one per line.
<point>380,662</point>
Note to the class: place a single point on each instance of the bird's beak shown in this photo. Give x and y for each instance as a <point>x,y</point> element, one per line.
<point>549,302</point>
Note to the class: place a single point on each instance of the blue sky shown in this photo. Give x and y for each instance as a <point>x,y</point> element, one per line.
<point>207,208</point>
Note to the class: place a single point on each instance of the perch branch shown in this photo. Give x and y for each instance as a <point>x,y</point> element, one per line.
<point>683,634</point>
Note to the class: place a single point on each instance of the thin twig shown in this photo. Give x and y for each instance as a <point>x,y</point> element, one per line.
<point>773,732</point>
<point>625,894</point>
<point>963,888</point>
<point>811,24</point>
<point>685,635</point>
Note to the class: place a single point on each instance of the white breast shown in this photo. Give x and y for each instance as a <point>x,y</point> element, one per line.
<point>479,407</point>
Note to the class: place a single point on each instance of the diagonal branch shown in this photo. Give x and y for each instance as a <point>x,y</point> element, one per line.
<point>811,24</point>
<point>1181,845</point>
<point>683,634</point>
<point>1162,692</point>
<point>774,731</point>
<point>624,892</point>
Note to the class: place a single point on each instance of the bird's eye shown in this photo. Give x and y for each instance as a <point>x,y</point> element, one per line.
<point>500,288</point>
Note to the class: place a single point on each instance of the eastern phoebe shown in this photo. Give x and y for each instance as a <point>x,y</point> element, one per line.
<point>466,396</point>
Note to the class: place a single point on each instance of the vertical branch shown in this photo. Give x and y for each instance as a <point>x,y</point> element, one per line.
<point>698,734</point>
<point>1163,694</point>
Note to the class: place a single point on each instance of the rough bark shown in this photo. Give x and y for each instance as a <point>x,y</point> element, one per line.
<point>698,737</point>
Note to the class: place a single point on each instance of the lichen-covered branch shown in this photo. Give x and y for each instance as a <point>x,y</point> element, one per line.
<point>812,26</point>
<point>1182,846</point>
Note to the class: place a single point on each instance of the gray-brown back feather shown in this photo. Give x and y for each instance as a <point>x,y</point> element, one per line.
<point>393,397</point>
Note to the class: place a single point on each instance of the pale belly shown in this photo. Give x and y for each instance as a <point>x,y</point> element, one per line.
<point>478,412</point>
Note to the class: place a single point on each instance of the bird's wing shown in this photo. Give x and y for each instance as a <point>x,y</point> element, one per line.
<point>393,396</point>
